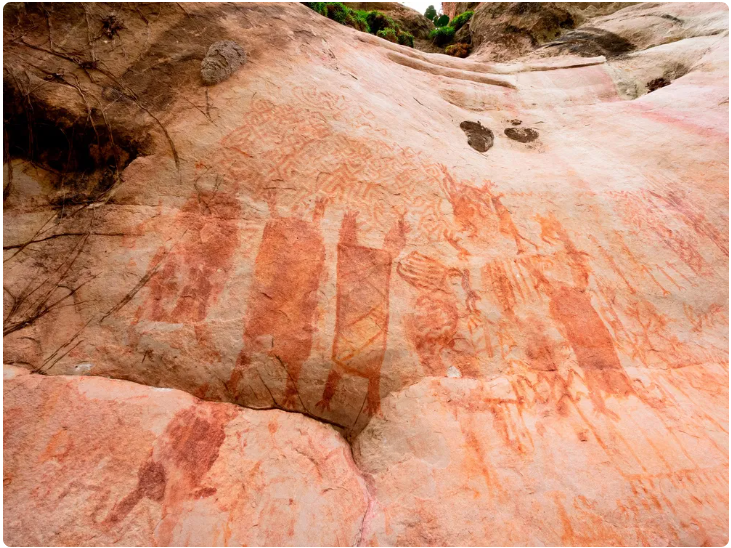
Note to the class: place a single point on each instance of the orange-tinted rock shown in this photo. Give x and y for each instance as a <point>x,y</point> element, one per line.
<point>90,461</point>
<point>303,236</point>
<point>528,461</point>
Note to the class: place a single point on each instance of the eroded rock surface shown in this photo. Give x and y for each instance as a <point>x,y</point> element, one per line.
<point>528,460</point>
<point>525,346</point>
<point>90,461</point>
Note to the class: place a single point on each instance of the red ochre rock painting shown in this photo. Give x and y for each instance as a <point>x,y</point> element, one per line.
<point>160,468</point>
<point>186,451</point>
<point>444,316</point>
<point>282,302</point>
<point>527,346</point>
<point>361,328</point>
<point>191,275</point>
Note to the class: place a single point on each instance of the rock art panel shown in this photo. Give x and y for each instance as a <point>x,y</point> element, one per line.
<point>282,302</point>
<point>361,325</point>
<point>468,462</point>
<point>526,345</point>
<point>445,318</point>
<point>99,461</point>
<point>190,276</point>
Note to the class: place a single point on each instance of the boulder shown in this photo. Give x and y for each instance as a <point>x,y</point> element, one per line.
<point>505,30</point>
<point>91,461</point>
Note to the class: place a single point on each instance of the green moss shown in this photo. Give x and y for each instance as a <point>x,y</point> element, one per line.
<point>459,21</point>
<point>441,36</point>
<point>388,34</point>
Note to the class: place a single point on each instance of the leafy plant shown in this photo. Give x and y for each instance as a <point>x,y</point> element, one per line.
<point>406,39</point>
<point>458,50</point>
<point>319,7</point>
<point>337,11</point>
<point>388,34</point>
<point>430,13</point>
<point>459,21</point>
<point>441,36</point>
<point>441,21</point>
<point>377,21</point>
<point>358,20</point>
<point>373,22</point>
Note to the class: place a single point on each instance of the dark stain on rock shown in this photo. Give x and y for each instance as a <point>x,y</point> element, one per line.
<point>657,83</point>
<point>515,122</point>
<point>478,137</point>
<point>521,134</point>
<point>592,42</point>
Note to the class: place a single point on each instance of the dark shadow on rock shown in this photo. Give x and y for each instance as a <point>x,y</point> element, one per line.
<point>592,42</point>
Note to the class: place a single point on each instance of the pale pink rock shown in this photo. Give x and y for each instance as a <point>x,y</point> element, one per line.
<point>530,460</point>
<point>91,461</point>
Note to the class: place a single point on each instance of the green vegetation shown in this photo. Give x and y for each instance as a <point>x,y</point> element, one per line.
<point>441,21</point>
<point>441,36</point>
<point>377,22</point>
<point>459,21</point>
<point>373,22</point>
<point>430,13</point>
<point>319,7</point>
<point>388,34</point>
<point>406,39</point>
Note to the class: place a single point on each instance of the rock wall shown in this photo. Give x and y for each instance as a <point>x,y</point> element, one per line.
<point>505,285</point>
<point>453,9</point>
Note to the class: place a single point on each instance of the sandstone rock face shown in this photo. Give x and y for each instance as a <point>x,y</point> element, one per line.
<point>505,30</point>
<point>527,460</point>
<point>453,9</point>
<point>92,461</point>
<point>526,344</point>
